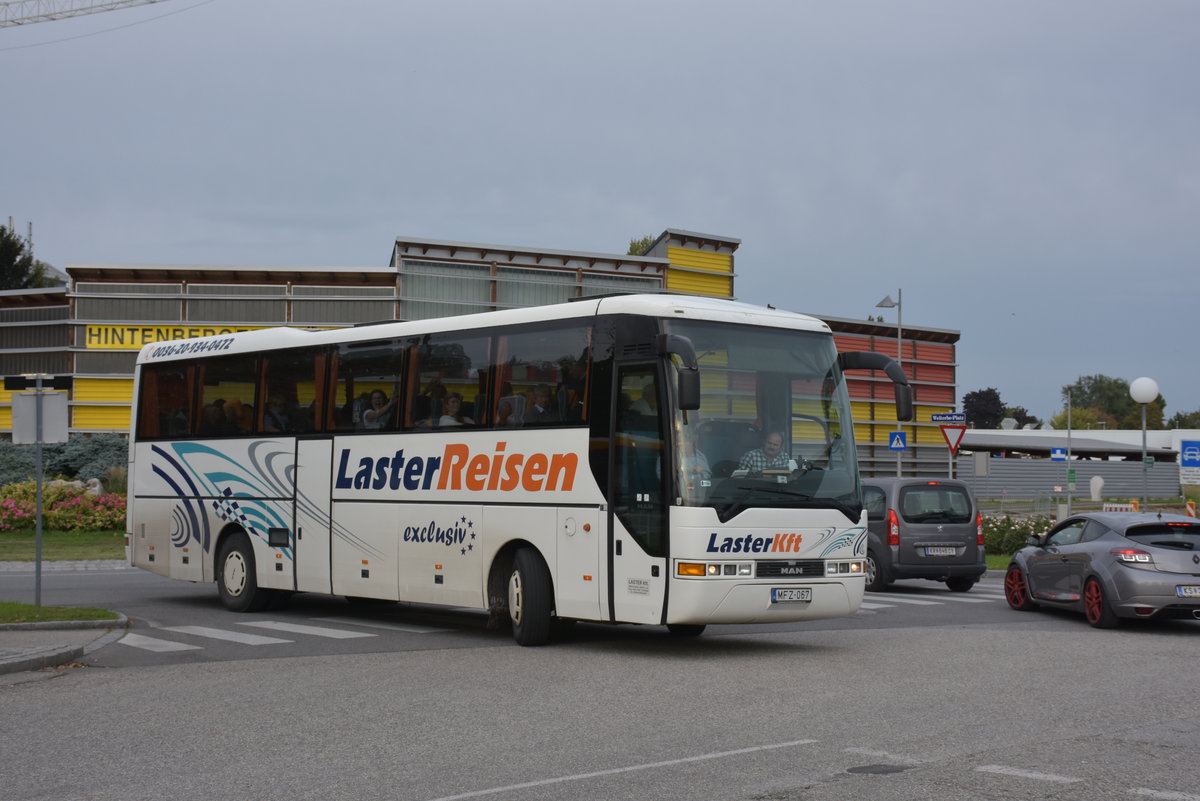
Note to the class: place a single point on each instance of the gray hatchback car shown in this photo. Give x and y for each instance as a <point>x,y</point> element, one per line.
<point>922,528</point>
<point>1111,566</point>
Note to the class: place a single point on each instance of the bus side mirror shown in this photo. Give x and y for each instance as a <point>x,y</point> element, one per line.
<point>870,360</point>
<point>688,391</point>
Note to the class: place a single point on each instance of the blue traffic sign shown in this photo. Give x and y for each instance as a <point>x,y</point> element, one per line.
<point>1189,453</point>
<point>898,441</point>
<point>954,418</point>
<point>1058,454</point>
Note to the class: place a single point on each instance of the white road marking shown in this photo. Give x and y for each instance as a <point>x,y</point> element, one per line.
<point>1165,795</point>
<point>316,631</point>
<point>627,769</point>
<point>225,634</point>
<point>869,605</point>
<point>379,624</point>
<point>963,599</point>
<point>1027,774</point>
<point>156,645</point>
<point>903,599</point>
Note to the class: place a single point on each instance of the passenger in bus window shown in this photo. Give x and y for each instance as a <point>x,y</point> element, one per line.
<point>276,418</point>
<point>379,413</point>
<point>542,412</point>
<point>213,422</point>
<point>453,415</point>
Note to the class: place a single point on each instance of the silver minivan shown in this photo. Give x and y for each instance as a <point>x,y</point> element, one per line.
<point>923,528</point>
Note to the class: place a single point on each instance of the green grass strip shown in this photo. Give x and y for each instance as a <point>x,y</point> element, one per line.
<point>12,612</point>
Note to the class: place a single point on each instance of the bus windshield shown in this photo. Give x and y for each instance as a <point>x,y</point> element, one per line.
<point>773,429</point>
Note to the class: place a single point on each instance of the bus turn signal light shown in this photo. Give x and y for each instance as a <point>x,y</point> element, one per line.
<point>691,569</point>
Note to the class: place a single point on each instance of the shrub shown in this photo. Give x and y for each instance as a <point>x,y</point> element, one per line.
<point>16,515</point>
<point>64,507</point>
<point>116,480</point>
<point>81,457</point>
<point>84,457</point>
<point>1006,535</point>
<point>26,491</point>
<point>16,462</point>
<point>88,513</point>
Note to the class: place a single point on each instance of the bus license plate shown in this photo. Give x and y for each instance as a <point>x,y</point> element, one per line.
<point>936,551</point>
<point>1188,591</point>
<point>791,595</point>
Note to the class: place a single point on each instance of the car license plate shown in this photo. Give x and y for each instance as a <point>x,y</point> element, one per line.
<point>791,595</point>
<point>1188,591</point>
<point>940,551</point>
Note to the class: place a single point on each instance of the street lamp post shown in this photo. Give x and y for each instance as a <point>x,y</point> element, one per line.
<point>898,305</point>
<point>1068,482</point>
<point>1144,390</point>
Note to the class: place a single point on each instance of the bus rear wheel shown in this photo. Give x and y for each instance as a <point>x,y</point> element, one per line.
<point>237,581</point>
<point>529,598</point>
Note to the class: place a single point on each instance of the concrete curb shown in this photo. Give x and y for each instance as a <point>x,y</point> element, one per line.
<point>36,657</point>
<point>120,621</point>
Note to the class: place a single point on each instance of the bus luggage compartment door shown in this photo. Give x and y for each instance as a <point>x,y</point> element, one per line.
<point>579,548</point>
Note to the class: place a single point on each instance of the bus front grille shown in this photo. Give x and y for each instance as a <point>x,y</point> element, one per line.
<point>808,567</point>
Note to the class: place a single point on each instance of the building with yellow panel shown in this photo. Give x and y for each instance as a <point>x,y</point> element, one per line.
<point>93,327</point>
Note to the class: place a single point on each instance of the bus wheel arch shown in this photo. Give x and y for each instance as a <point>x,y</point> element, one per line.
<point>521,591</point>
<point>236,573</point>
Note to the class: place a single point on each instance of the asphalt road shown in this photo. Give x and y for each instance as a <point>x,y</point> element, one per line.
<point>940,699</point>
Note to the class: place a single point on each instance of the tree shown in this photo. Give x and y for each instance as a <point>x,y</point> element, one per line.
<point>1182,419</point>
<point>1085,418</point>
<point>639,246</point>
<point>1021,415</point>
<point>983,408</point>
<point>1110,398</point>
<point>18,268</point>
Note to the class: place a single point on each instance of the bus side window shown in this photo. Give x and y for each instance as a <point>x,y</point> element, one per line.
<point>227,391</point>
<point>361,369</point>
<point>543,377</point>
<point>290,402</point>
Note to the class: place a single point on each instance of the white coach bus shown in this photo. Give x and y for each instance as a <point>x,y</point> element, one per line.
<point>601,460</point>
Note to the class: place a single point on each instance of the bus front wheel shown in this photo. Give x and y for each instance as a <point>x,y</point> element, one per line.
<point>237,581</point>
<point>529,598</point>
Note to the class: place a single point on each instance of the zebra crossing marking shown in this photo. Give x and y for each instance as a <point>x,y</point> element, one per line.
<point>155,644</point>
<point>379,624</point>
<point>226,634</point>
<point>316,631</point>
<point>925,600</point>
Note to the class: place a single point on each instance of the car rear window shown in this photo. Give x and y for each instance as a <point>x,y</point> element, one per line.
<point>935,503</point>
<point>1184,536</point>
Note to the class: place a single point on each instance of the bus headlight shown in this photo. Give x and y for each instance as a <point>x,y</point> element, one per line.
<point>844,568</point>
<point>714,569</point>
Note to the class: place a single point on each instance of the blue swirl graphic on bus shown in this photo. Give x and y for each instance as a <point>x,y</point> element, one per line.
<point>856,537</point>
<point>249,490</point>
<point>190,523</point>
<point>235,494</point>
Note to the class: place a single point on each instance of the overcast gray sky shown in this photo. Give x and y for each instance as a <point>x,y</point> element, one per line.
<point>1027,172</point>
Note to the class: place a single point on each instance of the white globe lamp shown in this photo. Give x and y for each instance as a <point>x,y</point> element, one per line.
<point>1144,390</point>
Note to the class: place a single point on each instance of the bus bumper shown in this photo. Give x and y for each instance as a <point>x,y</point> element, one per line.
<point>751,602</point>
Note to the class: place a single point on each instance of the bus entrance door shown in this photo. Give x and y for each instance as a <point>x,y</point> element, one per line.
<point>314,460</point>
<point>637,539</point>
